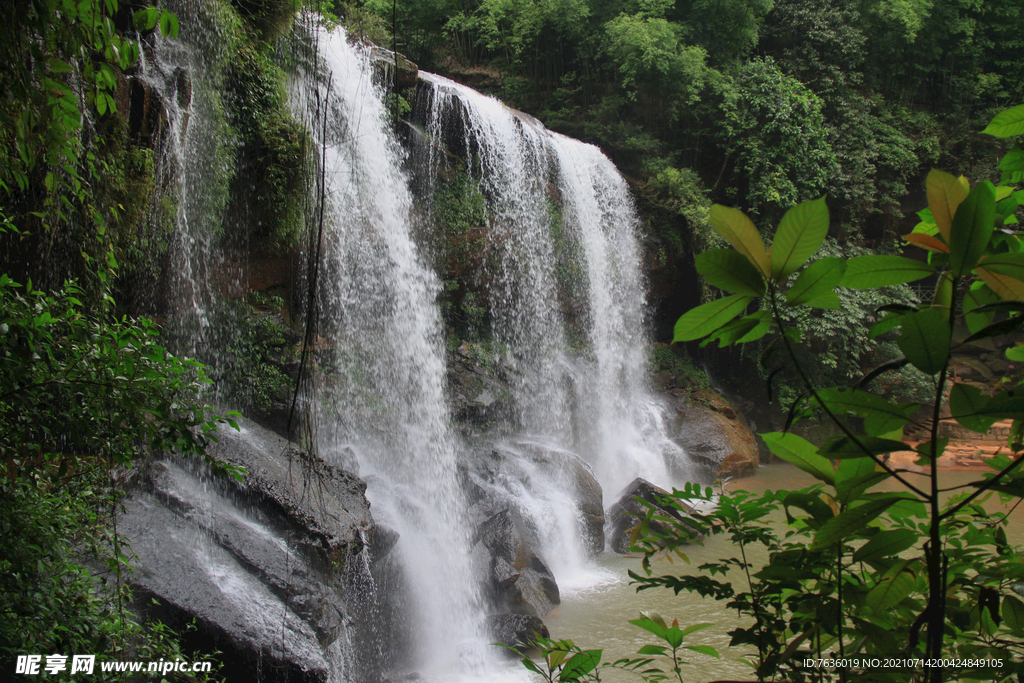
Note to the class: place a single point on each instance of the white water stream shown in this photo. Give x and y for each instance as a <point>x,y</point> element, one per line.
<point>383,399</point>
<point>380,399</point>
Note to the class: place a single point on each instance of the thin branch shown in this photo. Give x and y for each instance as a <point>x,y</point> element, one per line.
<point>831,415</point>
<point>989,483</point>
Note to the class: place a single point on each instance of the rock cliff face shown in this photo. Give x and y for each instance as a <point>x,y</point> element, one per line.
<point>261,565</point>
<point>712,433</point>
<point>715,439</point>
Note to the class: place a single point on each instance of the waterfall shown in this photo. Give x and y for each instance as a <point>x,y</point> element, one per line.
<point>546,194</point>
<point>621,428</point>
<point>382,402</point>
<point>568,307</point>
<point>511,158</point>
<point>566,296</point>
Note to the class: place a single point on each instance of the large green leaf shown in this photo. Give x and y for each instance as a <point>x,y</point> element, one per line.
<point>1007,287</point>
<point>1011,264</point>
<point>1007,123</point>
<point>842,447</point>
<point>889,322</point>
<point>1002,406</point>
<point>880,416</point>
<point>977,296</point>
<point>730,270</point>
<point>581,664</point>
<point>892,589</point>
<point>708,317</point>
<point>730,332</point>
<point>818,279</point>
<point>997,329</point>
<point>747,328</point>
<point>742,234</point>
<point>924,339</point>
<point>945,192</point>
<point>868,272</point>
<point>965,402</point>
<point>886,544</point>
<point>1013,613</point>
<point>972,228</point>
<point>798,451</point>
<point>943,295</point>
<point>849,490</point>
<point>800,234</point>
<point>827,301</point>
<point>812,503</point>
<point>850,521</point>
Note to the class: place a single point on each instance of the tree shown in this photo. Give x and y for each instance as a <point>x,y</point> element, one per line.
<point>977,267</point>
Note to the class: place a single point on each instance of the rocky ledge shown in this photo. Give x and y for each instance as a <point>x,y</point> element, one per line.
<point>260,565</point>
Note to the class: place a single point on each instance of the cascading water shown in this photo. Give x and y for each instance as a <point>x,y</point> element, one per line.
<point>563,232</point>
<point>621,425</point>
<point>383,400</point>
<point>511,157</point>
<point>566,274</point>
<point>541,189</point>
<point>195,167</point>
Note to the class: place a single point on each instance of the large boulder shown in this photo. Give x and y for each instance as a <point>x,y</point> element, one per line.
<point>387,64</point>
<point>261,565</point>
<point>627,513</point>
<point>711,434</point>
<point>519,580</point>
<point>511,473</point>
<point>516,630</point>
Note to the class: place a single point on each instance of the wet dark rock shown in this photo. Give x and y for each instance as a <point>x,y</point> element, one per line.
<point>480,394</point>
<point>262,564</point>
<point>573,475</point>
<point>386,62</point>
<point>716,442</point>
<point>627,513</point>
<point>507,467</point>
<point>520,581</point>
<point>516,630</point>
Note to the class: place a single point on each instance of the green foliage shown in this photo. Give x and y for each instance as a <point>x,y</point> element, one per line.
<point>68,174</point>
<point>652,57</point>
<point>775,128</point>
<point>112,383</point>
<point>252,370</point>
<point>513,27</point>
<point>363,25</point>
<point>459,245</point>
<point>59,585</point>
<point>846,574</point>
<point>728,30</point>
<point>947,596</point>
<point>80,395</point>
<point>268,187</point>
<point>563,661</point>
<point>665,361</point>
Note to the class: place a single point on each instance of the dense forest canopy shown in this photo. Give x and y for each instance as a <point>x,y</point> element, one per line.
<point>754,103</point>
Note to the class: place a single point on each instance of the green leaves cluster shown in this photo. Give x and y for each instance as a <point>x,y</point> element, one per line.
<point>64,40</point>
<point>80,391</point>
<point>564,661</point>
<point>836,579</point>
<point>846,575</point>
